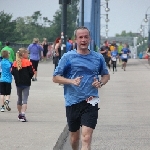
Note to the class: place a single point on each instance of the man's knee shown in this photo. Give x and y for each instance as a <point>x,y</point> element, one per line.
<point>87,134</point>
<point>74,140</point>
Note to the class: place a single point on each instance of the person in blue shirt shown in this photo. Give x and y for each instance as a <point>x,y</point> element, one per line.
<point>125,54</point>
<point>79,71</point>
<point>6,79</point>
<point>34,51</point>
<point>68,46</point>
<point>114,56</point>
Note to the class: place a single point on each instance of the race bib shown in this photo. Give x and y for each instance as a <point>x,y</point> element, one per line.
<point>124,56</point>
<point>94,101</point>
<point>113,58</point>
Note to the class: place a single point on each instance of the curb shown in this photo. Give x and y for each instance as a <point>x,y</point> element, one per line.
<point>62,139</point>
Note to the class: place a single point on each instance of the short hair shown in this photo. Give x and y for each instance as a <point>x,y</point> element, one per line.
<point>5,54</point>
<point>82,28</point>
<point>7,43</point>
<point>35,40</point>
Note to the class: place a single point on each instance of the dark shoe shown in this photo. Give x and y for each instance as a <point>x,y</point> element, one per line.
<point>6,103</point>
<point>19,117</point>
<point>33,79</point>
<point>22,118</point>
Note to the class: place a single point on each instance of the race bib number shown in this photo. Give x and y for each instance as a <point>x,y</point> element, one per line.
<point>124,56</point>
<point>94,101</point>
<point>114,59</point>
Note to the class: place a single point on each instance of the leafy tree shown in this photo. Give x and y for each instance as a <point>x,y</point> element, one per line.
<point>127,34</point>
<point>72,12</point>
<point>24,29</point>
<point>7,27</point>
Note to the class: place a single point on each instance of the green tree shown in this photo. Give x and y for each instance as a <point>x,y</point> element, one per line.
<point>127,34</point>
<point>72,12</point>
<point>7,27</point>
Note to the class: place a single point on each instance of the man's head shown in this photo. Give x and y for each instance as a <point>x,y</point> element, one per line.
<point>7,43</point>
<point>82,37</point>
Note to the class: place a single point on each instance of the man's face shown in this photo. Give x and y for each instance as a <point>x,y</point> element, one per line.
<point>82,39</point>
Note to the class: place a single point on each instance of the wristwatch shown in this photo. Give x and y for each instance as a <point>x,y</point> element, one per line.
<point>101,83</point>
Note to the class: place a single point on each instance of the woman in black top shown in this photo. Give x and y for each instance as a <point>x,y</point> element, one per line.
<point>45,48</point>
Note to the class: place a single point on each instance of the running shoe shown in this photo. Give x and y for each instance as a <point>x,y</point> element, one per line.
<point>22,118</point>
<point>19,117</point>
<point>6,103</point>
<point>2,109</point>
<point>33,79</point>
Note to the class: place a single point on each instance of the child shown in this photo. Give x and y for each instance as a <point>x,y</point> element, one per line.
<point>0,72</point>
<point>6,79</point>
<point>114,56</point>
<point>23,72</point>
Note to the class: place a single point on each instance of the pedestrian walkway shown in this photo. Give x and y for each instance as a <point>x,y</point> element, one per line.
<point>124,117</point>
<point>123,123</point>
<point>45,114</point>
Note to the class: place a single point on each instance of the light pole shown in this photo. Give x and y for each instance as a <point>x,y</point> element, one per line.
<point>146,19</point>
<point>135,46</point>
<point>107,9</point>
<point>82,15</point>
<point>106,27</point>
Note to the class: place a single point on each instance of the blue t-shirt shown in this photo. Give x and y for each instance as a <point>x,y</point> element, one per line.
<point>125,51</point>
<point>72,65</point>
<point>68,46</point>
<point>114,53</point>
<point>6,75</point>
<point>34,50</point>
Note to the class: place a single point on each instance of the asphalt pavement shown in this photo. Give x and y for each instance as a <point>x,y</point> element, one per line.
<point>124,117</point>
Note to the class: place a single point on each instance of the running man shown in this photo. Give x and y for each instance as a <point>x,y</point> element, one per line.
<point>79,71</point>
<point>125,53</point>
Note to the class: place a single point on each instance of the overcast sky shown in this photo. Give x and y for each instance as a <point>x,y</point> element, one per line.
<point>124,14</point>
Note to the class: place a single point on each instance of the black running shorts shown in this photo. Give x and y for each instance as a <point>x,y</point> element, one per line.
<point>35,64</point>
<point>124,60</point>
<point>80,114</point>
<point>5,88</point>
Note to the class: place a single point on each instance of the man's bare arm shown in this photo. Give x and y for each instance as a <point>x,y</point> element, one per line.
<point>62,80</point>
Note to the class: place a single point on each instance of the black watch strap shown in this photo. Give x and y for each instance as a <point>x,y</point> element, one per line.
<point>101,83</point>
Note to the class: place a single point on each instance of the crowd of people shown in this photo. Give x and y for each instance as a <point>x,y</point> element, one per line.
<point>78,70</point>
<point>113,52</point>
<point>75,70</point>
<point>24,68</point>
